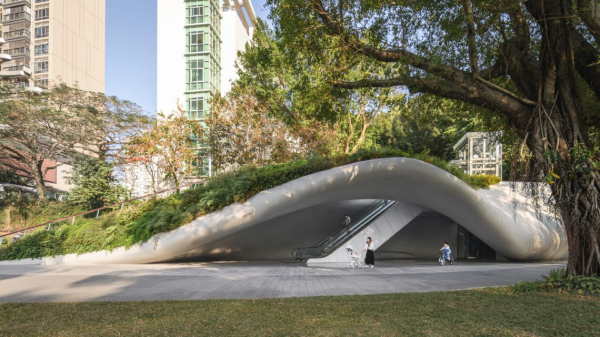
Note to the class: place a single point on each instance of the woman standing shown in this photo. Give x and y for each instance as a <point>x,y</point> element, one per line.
<point>370,258</point>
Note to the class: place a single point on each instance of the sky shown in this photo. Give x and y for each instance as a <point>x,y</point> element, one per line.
<point>131,50</point>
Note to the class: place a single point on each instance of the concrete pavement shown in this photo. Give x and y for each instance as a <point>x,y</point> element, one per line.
<point>245,280</point>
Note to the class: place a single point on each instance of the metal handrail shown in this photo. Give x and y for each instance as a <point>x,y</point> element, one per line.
<point>342,234</point>
<point>97,210</point>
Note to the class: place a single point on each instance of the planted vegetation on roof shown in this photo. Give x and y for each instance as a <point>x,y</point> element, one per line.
<point>140,221</point>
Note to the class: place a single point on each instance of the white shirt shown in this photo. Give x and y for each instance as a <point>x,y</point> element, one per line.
<point>370,246</point>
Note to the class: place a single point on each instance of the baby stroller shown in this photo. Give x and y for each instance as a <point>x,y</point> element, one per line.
<point>354,258</point>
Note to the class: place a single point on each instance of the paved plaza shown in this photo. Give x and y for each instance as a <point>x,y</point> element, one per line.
<point>246,280</point>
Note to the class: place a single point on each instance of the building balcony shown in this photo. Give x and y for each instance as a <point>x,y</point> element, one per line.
<point>24,68</point>
<point>15,17</point>
<point>22,72</point>
<point>17,34</point>
<point>18,52</point>
<point>21,85</point>
<point>10,3</point>
<point>5,57</point>
<point>2,41</point>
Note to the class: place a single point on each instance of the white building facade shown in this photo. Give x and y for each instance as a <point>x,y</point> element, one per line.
<point>198,42</point>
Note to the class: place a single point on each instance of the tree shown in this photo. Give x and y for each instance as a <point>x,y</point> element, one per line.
<point>95,184</point>
<point>297,94</point>
<point>171,143</point>
<point>57,124</point>
<point>534,63</point>
<point>141,150</point>
<point>8,175</point>
<point>428,123</point>
<point>239,131</point>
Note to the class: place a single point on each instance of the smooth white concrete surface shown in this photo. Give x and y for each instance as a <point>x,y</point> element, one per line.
<point>508,201</point>
<point>380,230</point>
<point>406,180</point>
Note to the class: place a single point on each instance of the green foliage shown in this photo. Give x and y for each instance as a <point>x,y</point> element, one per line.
<point>95,183</point>
<point>426,123</point>
<point>526,287</point>
<point>482,312</point>
<point>55,123</point>
<point>559,281</point>
<point>8,175</point>
<point>139,221</point>
<point>483,180</point>
<point>22,210</point>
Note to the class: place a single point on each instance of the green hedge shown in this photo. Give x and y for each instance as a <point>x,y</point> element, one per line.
<point>140,221</point>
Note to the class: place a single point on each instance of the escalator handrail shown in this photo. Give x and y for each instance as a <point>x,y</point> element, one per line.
<point>332,241</point>
<point>353,231</point>
<point>371,208</point>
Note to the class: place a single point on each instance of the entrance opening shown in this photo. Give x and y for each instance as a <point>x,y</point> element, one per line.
<point>471,247</point>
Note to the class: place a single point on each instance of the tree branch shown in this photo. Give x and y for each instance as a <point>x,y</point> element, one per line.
<point>473,59</point>
<point>589,11</point>
<point>516,111</point>
<point>586,61</point>
<point>394,55</point>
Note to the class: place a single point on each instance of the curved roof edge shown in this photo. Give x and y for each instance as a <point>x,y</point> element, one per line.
<point>515,233</point>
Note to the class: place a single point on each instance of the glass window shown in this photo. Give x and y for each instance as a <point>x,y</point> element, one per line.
<point>42,31</point>
<point>41,14</point>
<point>196,108</point>
<point>42,83</point>
<point>196,11</point>
<point>196,41</point>
<point>196,71</point>
<point>41,49</point>
<point>41,67</point>
<point>196,14</point>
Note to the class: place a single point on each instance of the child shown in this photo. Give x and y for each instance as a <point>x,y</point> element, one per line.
<point>447,251</point>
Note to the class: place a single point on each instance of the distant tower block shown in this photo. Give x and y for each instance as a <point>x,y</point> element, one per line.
<point>46,42</point>
<point>198,43</point>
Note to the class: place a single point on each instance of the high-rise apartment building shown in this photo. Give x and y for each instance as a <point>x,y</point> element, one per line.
<point>52,41</point>
<point>198,42</point>
<point>45,42</point>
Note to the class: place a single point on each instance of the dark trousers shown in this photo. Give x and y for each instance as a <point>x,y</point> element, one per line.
<point>370,258</point>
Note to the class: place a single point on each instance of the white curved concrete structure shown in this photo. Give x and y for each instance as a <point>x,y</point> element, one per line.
<point>288,216</point>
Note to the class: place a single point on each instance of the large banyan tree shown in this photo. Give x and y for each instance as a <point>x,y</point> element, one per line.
<point>535,63</point>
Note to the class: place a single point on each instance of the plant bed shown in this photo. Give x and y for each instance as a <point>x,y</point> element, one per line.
<point>140,221</point>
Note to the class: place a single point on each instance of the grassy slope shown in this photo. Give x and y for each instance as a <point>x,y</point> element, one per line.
<point>141,221</point>
<point>487,312</point>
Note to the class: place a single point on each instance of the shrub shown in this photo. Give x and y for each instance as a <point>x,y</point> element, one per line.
<point>24,211</point>
<point>483,180</point>
<point>559,281</point>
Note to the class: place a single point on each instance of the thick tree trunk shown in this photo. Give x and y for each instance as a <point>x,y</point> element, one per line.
<point>38,176</point>
<point>546,112</point>
<point>559,142</point>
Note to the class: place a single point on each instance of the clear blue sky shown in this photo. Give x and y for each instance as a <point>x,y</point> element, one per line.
<point>131,50</point>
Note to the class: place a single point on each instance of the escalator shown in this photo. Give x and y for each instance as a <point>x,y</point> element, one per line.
<point>344,233</point>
